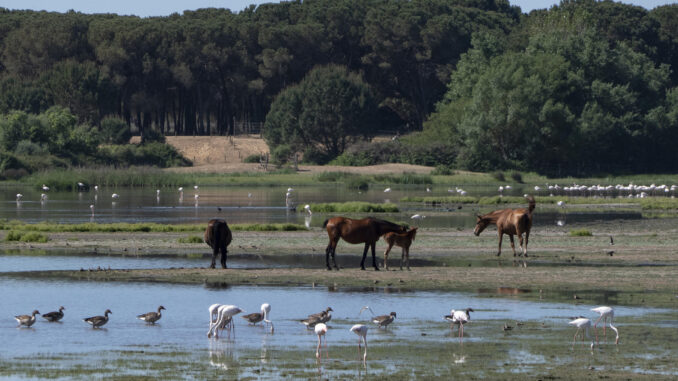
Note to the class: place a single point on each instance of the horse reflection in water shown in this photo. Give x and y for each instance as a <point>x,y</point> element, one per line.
<point>367,230</point>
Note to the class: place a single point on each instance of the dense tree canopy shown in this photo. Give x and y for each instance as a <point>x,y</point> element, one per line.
<point>582,87</point>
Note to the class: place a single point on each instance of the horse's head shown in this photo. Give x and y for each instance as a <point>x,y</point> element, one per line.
<point>481,224</point>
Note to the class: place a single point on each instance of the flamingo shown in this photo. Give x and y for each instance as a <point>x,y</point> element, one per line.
<point>459,317</point>
<point>581,323</point>
<point>561,203</point>
<point>290,189</point>
<point>18,197</point>
<point>225,314</point>
<point>308,209</point>
<point>43,197</point>
<point>115,196</point>
<point>181,189</point>
<point>157,193</point>
<point>320,330</point>
<point>361,331</point>
<point>605,312</point>
<point>45,188</point>
<point>418,217</point>
<point>91,207</point>
<point>387,190</point>
<point>195,187</point>
<point>96,188</point>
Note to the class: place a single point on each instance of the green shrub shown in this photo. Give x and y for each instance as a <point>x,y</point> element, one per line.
<point>254,158</point>
<point>443,170</point>
<point>359,183</point>
<point>354,207</point>
<point>191,239</point>
<point>517,177</point>
<point>25,236</point>
<point>115,131</point>
<point>404,178</point>
<point>580,233</point>
<point>281,154</point>
<point>153,153</point>
<point>498,175</point>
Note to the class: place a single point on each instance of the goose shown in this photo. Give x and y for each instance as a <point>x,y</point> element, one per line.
<point>384,320</point>
<point>312,321</point>
<point>26,320</point>
<point>54,315</point>
<point>98,321</point>
<point>325,315</point>
<point>151,317</point>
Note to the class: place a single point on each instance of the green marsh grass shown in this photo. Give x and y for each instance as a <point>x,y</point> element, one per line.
<point>137,227</point>
<point>25,236</point>
<point>191,239</point>
<point>354,207</point>
<point>580,233</point>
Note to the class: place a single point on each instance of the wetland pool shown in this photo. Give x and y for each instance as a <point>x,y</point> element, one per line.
<point>419,343</point>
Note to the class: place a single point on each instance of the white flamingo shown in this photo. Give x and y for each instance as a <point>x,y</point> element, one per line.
<point>45,188</point>
<point>225,315</point>
<point>581,323</point>
<point>418,217</point>
<point>308,209</point>
<point>43,197</point>
<point>387,190</point>
<point>605,312</point>
<point>459,317</point>
<point>115,196</point>
<point>361,331</point>
<point>19,196</point>
<point>91,207</point>
<point>320,330</point>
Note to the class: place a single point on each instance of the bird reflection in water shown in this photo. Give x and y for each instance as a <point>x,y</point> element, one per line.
<point>221,354</point>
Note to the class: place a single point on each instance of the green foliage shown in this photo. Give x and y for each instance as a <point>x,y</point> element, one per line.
<point>354,207</point>
<point>191,239</point>
<point>19,229</point>
<point>115,131</point>
<point>498,175</point>
<point>25,237</point>
<point>281,154</point>
<point>329,109</point>
<point>254,158</point>
<point>359,183</point>
<point>516,176</point>
<point>152,153</point>
<point>580,233</point>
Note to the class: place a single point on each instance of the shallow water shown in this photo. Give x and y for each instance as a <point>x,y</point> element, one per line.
<point>183,328</point>
<point>251,205</point>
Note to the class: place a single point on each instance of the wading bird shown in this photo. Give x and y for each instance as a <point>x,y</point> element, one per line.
<point>605,312</point>
<point>225,315</point>
<point>384,320</point>
<point>256,317</point>
<point>45,188</point>
<point>459,317</point>
<point>19,196</point>
<point>54,315</point>
<point>26,320</point>
<point>581,323</point>
<point>115,196</point>
<point>98,321</point>
<point>361,331</point>
<point>307,208</point>
<point>321,330</point>
<point>151,317</point>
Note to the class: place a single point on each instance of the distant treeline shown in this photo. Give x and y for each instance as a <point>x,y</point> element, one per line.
<point>586,86</point>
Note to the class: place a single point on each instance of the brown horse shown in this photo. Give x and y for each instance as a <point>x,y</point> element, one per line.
<point>510,222</point>
<point>218,236</point>
<point>368,230</point>
<point>403,240</point>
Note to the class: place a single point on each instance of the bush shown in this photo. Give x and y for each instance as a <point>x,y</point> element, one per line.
<point>357,183</point>
<point>191,239</point>
<point>254,158</point>
<point>281,154</point>
<point>27,147</point>
<point>156,154</point>
<point>26,236</point>
<point>313,155</point>
<point>498,175</point>
<point>517,177</point>
<point>115,131</point>
<point>580,233</point>
<point>152,136</point>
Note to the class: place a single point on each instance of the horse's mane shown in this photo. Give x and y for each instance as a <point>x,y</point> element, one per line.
<point>381,222</point>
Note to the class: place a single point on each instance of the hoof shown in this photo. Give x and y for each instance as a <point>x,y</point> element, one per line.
<point>329,269</point>
<point>212,266</point>
<point>409,269</point>
<point>362,268</point>
<point>376,269</point>
<point>498,254</point>
<point>336,268</point>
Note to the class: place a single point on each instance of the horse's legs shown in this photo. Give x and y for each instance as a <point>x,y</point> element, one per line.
<point>215,253</point>
<point>334,257</point>
<point>527,238</point>
<point>407,255</point>
<point>513,245</point>
<point>388,249</point>
<point>362,263</point>
<point>521,241</point>
<point>402,259</point>
<point>374,256</point>
<point>224,252</point>
<point>501,236</point>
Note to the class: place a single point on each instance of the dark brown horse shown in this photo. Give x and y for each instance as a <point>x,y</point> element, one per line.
<point>218,236</point>
<point>511,222</point>
<point>368,230</point>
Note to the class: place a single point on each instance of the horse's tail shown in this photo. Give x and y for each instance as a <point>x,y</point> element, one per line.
<point>216,233</point>
<point>532,203</point>
<point>325,223</point>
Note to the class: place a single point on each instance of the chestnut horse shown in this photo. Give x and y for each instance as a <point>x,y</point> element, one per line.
<point>510,222</point>
<point>218,236</point>
<point>368,230</point>
<point>403,240</point>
